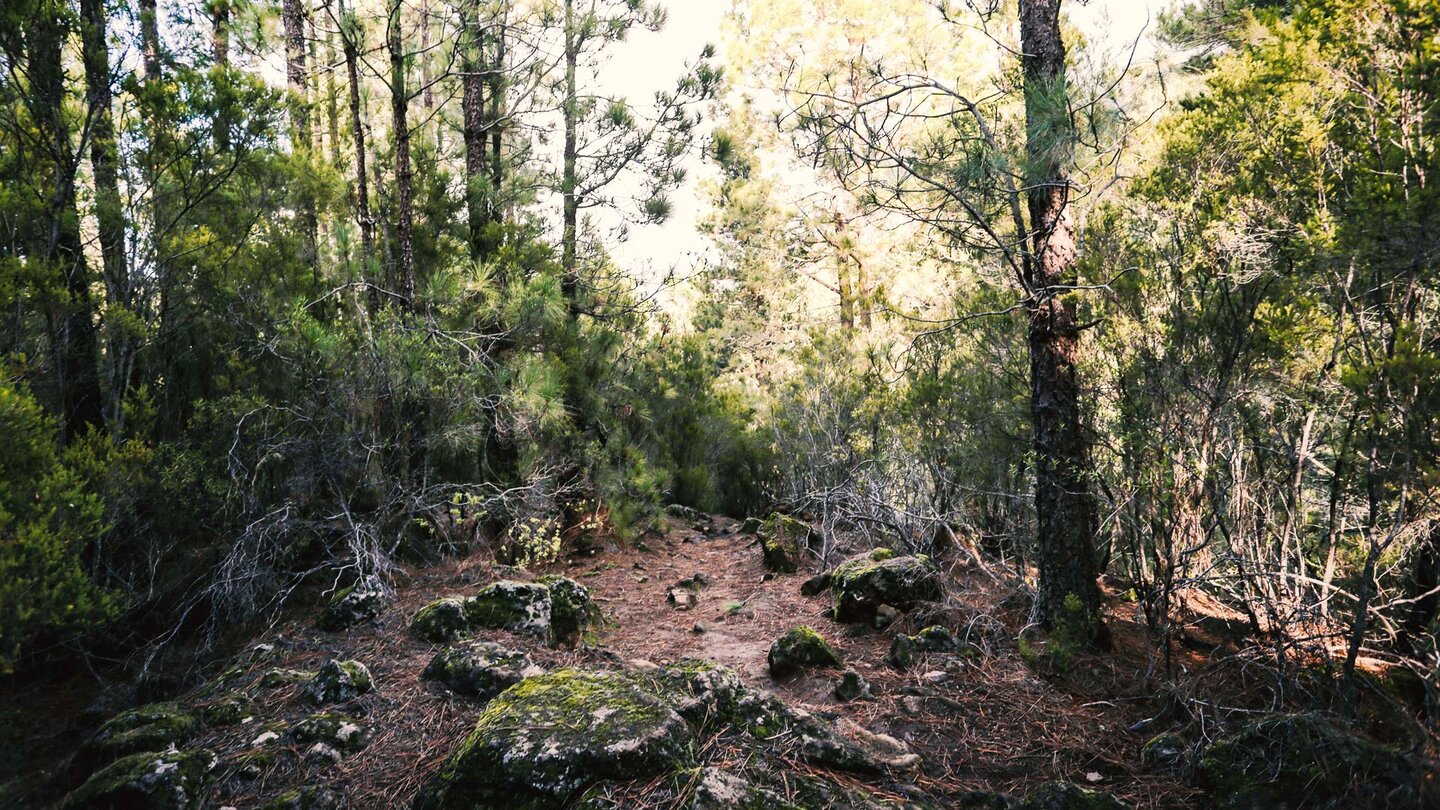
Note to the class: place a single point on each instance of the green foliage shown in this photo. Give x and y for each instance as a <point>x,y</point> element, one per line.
<point>48,519</point>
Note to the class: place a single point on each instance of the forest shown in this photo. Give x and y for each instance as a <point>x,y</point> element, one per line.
<point>449,404</point>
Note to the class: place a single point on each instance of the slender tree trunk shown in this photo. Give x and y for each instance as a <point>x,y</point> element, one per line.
<point>1065,511</point>
<point>109,210</point>
<point>77,358</point>
<point>473,106</point>
<point>569,188</point>
<point>497,112</point>
<point>404,181</point>
<point>294,15</point>
<point>351,45</point>
<point>149,39</point>
<point>220,48</point>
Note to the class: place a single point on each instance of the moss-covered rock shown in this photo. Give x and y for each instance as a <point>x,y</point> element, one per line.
<point>338,681</point>
<point>274,678</point>
<point>153,727</point>
<point>442,621</point>
<point>541,740</point>
<point>362,602</point>
<point>800,648</point>
<point>936,639</point>
<point>571,610</point>
<point>170,780</point>
<point>851,686</point>
<point>520,607</point>
<point>1165,753</point>
<point>1067,796</point>
<point>226,710</point>
<point>719,789</point>
<point>341,732</point>
<point>479,669</point>
<point>251,765</point>
<point>1302,760</point>
<point>864,582</point>
<point>310,797</point>
<point>903,652</point>
<point>784,542</point>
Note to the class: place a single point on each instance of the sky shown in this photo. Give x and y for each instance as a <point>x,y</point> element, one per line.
<point>651,61</point>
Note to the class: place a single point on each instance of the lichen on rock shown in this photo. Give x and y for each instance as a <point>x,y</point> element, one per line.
<point>339,681</point>
<point>1302,760</point>
<point>309,797</point>
<point>479,669</point>
<point>541,740</point>
<point>361,602</point>
<point>274,678</point>
<point>864,582</point>
<point>168,780</point>
<point>153,727</point>
<point>571,610</point>
<point>784,541</point>
<point>520,607</point>
<point>339,731</point>
<point>800,648</point>
<point>442,621</point>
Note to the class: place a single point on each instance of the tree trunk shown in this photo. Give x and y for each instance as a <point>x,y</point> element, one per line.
<point>293,13</point>
<point>473,109</point>
<point>1064,546</point>
<point>404,190</point>
<point>78,352</point>
<point>220,51</point>
<point>351,46</point>
<point>109,210</point>
<point>570,283</point>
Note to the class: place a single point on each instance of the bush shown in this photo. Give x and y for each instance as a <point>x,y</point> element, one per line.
<point>48,518</point>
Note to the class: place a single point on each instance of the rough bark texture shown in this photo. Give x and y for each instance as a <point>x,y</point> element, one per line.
<point>473,108</point>
<point>294,14</point>
<point>357,130</point>
<point>1064,543</point>
<point>77,355</point>
<point>220,52</point>
<point>404,179</point>
<point>570,284</point>
<point>109,211</point>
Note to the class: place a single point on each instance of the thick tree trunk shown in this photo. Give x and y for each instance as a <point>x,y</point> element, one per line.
<point>109,210</point>
<point>404,179</point>
<point>569,187</point>
<point>77,360</point>
<point>1065,511</point>
<point>294,15</point>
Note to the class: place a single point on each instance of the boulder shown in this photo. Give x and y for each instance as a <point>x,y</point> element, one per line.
<point>816,585</point>
<point>903,652</point>
<point>540,741</point>
<point>361,602</point>
<point>170,780</point>
<point>274,678</point>
<point>338,731</point>
<point>310,797</point>
<point>520,607</point>
<point>784,542</point>
<point>338,681</point>
<point>571,610</point>
<point>1067,796</point>
<point>1165,753</point>
<point>442,621</point>
<point>479,669</point>
<point>800,648</point>
<point>153,727</point>
<point>936,639</point>
<point>226,710</point>
<point>1302,760</point>
<point>863,583</point>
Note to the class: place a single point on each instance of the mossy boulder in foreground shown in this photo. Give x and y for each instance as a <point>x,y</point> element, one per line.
<point>170,780</point>
<point>441,621</point>
<point>800,648</point>
<point>1302,760</point>
<point>153,727</point>
<point>541,740</point>
<point>866,581</point>
<point>520,607</point>
<point>479,669</point>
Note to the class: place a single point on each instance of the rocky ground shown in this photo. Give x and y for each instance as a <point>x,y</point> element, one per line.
<point>705,666</point>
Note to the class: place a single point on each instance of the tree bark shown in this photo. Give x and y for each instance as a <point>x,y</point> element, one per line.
<point>109,210</point>
<point>404,180</point>
<point>473,109</point>
<point>294,14</point>
<point>570,282</point>
<point>351,46</point>
<point>1065,511</point>
<point>78,351</point>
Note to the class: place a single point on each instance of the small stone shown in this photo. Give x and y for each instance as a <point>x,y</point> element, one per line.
<point>322,754</point>
<point>264,738</point>
<point>361,602</point>
<point>912,705</point>
<point>800,648</point>
<point>281,677</point>
<point>697,628</point>
<point>338,681</point>
<point>885,616</point>
<point>851,686</point>
<point>936,676</point>
<point>902,652</point>
<point>815,585</point>
<point>682,598</point>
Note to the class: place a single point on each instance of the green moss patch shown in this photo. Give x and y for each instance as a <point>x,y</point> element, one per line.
<point>172,780</point>
<point>861,584</point>
<point>800,648</point>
